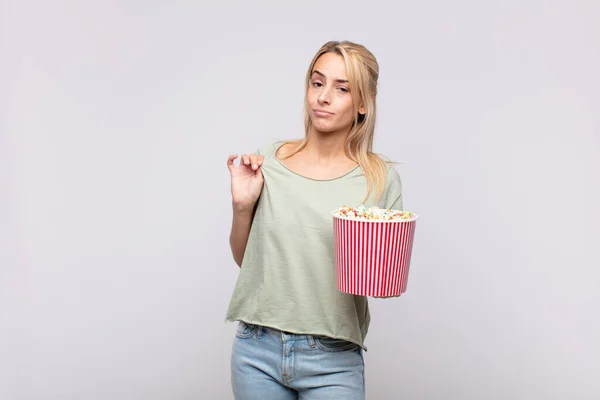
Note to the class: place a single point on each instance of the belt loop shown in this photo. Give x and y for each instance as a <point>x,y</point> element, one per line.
<point>311,341</point>
<point>260,331</point>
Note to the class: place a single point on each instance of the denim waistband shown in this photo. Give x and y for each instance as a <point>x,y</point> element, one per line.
<point>285,336</point>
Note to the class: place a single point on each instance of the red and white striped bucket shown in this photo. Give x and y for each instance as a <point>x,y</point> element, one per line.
<point>372,258</point>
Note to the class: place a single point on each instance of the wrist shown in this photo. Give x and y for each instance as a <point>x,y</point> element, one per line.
<point>243,209</point>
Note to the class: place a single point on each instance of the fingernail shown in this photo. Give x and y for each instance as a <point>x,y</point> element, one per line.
<point>254,166</point>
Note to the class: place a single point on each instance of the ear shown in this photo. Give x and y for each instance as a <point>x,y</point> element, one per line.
<point>362,109</point>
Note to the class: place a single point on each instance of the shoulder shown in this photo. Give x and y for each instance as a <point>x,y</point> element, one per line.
<point>392,192</point>
<point>392,178</point>
<point>284,148</point>
<point>268,149</point>
<point>393,183</point>
<point>279,148</point>
<point>392,174</point>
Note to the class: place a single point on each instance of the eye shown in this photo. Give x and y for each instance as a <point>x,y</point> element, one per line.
<point>344,90</point>
<point>317,84</point>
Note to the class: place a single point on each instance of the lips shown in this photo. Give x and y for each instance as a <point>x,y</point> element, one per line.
<point>322,113</point>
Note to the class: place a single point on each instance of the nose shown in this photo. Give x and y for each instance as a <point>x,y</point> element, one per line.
<point>324,96</point>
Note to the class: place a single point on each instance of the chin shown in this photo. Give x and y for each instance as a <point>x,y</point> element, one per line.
<point>324,127</point>
<point>328,128</point>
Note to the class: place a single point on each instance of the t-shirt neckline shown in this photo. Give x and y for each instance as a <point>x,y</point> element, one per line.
<point>277,147</point>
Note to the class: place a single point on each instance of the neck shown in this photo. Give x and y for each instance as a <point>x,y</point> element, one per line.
<point>326,147</point>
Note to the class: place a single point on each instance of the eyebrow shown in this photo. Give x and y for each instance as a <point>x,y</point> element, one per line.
<point>323,75</point>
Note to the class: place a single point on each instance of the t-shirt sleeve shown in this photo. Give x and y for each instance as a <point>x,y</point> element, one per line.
<point>392,196</point>
<point>264,149</point>
<point>268,149</point>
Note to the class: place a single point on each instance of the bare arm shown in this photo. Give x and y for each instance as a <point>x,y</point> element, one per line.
<point>240,230</point>
<point>246,185</point>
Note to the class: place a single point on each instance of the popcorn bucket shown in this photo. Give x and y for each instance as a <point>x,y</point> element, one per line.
<point>372,258</point>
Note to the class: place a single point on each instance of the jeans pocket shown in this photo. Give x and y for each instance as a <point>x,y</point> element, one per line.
<point>330,344</point>
<point>244,330</point>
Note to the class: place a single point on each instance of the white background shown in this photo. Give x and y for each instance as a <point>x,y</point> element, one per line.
<point>116,119</point>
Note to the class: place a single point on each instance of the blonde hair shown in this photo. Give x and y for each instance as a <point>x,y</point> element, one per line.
<point>362,72</point>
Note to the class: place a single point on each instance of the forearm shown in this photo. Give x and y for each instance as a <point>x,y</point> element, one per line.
<point>240,230</point>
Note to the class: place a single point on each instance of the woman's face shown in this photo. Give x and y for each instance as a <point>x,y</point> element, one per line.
<point>329,99</point>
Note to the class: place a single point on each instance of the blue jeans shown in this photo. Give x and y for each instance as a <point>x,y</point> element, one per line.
<point>268,364</point>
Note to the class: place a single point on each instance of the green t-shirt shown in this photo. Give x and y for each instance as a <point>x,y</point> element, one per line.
<point>287,279</point>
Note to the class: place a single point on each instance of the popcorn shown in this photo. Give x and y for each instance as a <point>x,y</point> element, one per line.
<point>373,213</point>
<point>373,248</point>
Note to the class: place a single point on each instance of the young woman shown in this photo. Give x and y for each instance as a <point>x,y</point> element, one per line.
<point>298,336</point>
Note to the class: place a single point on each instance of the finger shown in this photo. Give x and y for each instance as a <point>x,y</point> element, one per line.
<point>246,159</point>
<point>254,161</point>
<point>230,161</point>
<point>261,158</point>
